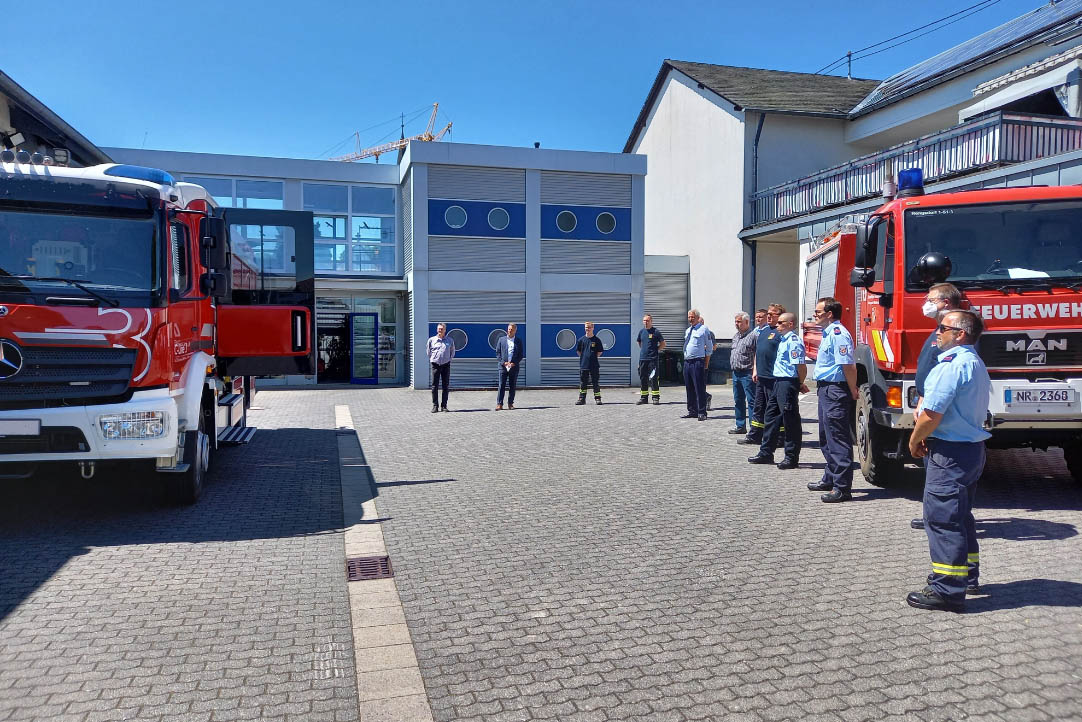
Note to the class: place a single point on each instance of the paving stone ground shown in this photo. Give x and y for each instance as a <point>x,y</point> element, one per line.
<point>554,562</point>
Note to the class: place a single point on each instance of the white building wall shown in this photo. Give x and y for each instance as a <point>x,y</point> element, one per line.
<point>694,202</point>
<point>792,146</point>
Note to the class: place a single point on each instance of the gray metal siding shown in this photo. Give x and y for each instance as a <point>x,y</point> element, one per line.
<point>409,349</point>
<point>475,306</point>
<point>405,222</point>
<point>585,257</point>
<point>474,373</point>
<point>466,183</point>
<point>585,189</point>
<point>565,372</point>
<point>477,254</point>
<point>579,307</point>
<point>665,298</point>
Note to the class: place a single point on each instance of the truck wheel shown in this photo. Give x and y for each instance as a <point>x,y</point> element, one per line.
<point>872,441</point>
<point>1073,456</point>
<point>187,487</point>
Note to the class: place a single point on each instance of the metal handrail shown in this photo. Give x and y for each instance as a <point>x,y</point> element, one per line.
<point>989,140</point>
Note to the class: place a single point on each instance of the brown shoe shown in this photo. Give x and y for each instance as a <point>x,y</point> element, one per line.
<point>510,406</point>
<point>499,407</point>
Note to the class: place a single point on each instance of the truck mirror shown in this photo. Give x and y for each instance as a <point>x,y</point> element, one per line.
<point>932,267</point>
<point>214,284</point>
<point>861,277</point>
<point>213,244</point>
<point>867,236</point>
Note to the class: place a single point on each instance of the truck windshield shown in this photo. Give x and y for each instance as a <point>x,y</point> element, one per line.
<point>994,243</point>
<point>114,256</point>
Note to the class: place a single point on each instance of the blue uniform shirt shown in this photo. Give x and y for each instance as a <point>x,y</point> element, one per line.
<point>698,341</point>
<point>835,351</point>
<point>958,387</point>
<point>649,341</point>
<point>790,355</point>
<point>766,351</point>
<point>929,357</point>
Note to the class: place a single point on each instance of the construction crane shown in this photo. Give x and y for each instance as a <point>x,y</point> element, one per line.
<point>378,150</point>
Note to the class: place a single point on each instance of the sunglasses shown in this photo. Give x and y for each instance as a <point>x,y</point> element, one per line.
<point>943,327</point>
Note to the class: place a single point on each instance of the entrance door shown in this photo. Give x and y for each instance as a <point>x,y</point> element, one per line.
<point>363,348</point>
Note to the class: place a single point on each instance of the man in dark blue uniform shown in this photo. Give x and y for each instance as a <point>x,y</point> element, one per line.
<point>589,349</point>
<point>650,343</point>
<point>835,377</point>
<point>949,435</point>
<point>762,372</point>
<point>941,298</point>
<point>783,406</point>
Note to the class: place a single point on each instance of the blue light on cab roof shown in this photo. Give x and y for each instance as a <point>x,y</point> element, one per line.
<point>139,172</point>
<point>910,179</point>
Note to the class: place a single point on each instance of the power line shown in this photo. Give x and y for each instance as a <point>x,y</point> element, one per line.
<point>853,55</point>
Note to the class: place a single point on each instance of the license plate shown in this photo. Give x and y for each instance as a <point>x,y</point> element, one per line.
<point>20,427</point>
<point>1042,397</point>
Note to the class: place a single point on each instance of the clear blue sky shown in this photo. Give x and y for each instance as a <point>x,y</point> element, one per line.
<point>295,79</point>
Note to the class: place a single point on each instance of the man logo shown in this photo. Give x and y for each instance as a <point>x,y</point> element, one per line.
<point>11,360</point>
<point>1053,344</point>
<point>1039,358</point>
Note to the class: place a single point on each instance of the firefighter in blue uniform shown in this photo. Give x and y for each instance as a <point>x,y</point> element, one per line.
<point>949,435</point>
<point>941,298</point>
<point>835,377</point>
<point>762,372</point>
<point>783,407</point>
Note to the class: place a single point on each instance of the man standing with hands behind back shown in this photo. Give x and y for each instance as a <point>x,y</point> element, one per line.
<point>698,345</point>
<point>509,352</point>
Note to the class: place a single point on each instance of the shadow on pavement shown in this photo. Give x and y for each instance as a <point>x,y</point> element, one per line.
<point>1026,593</point>
<point>1015,529</point>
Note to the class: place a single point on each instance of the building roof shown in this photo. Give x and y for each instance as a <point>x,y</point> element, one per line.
<point>1051,22</point>
<point>771,91</point>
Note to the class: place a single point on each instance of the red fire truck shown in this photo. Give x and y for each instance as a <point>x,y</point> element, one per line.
<point>129,331</point>
<point>1016,255</point>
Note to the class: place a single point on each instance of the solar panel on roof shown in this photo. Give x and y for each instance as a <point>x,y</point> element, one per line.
<point>1053,19</point>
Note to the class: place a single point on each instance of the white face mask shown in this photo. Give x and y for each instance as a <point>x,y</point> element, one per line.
<point>930,309</point>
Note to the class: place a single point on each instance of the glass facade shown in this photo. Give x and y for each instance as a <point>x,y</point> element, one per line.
<point>337,341</point>
<point>354,228</point>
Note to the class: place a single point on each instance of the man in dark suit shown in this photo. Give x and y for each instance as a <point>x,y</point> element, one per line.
<point>509,352</point>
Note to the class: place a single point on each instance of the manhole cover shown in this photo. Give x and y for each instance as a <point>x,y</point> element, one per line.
<point>361,569</point>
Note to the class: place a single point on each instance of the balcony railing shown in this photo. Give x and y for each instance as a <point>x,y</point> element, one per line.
<point>980,143</point>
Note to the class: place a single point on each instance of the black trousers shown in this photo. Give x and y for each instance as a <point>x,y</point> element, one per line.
<point>649,378</point>
<point>587,377</point>
<point>508,381</point>
<point>695,385</point>
<point>835,437</point>
<point>441,375</point>
<point>758,410</point>
<point>782,414</point>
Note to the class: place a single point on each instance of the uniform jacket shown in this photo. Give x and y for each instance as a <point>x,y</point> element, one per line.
<point>501,350</point>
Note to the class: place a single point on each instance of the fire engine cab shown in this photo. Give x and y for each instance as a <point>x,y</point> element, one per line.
<point>130,325</point>
<point>1016,256</point>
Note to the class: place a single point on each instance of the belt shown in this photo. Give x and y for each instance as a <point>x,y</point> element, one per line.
<point>695,358</point>
<point>832,383</point>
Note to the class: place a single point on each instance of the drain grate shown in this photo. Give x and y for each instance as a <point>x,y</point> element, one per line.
<point>362,569</point>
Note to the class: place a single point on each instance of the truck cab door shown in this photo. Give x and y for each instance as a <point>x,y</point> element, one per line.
<point>267,325</point>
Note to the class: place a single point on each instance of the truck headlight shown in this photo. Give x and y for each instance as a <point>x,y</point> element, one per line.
<point>136,425</point>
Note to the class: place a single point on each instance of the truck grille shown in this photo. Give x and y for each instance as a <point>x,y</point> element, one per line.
<point>56,376</point>
<point>1058,349</point>
<point>52,440</point>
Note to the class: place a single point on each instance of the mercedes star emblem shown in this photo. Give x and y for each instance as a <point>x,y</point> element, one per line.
<point>11,360</point>
<point>3,311</point>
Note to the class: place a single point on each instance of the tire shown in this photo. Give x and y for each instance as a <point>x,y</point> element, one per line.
<point>872,441</point>
<point>1073,456</point>
<point>185,488</point>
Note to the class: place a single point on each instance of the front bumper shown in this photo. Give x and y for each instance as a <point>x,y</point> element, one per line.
<point>98,448</point>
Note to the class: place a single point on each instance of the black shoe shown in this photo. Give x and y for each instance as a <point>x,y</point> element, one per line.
<point>820,486</point>
<point>836,496</point>
<point>443,408</point>
<point>597,401</point>
<point>642,401</point>
<point>928,598</point>
<point>760,459</point>
<point>973,589</point>
<point>702,417</point>
<point>917,523</point>
<point>788,463</point>
<point>749,440</point>
<point>435,408</point>
<point>580,402</point>
<point>737,430</point>
<point>690,416</point>
<point>709,398</point>
<point>657,400</point>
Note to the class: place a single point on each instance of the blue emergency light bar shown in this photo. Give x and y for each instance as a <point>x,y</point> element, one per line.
<point>911,182</point>
<point>141,173</point>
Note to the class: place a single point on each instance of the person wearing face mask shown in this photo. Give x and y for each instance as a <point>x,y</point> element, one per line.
<point>941,298</point>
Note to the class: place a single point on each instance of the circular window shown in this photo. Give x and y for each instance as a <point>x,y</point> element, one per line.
<point>455,216</point>
<point>566,221</point>
<point>606,222</point>
<point>607,338</point>
<point>495,336</point>
<point>566,339</point>
<point>459,338</point>
<point>498,219</point>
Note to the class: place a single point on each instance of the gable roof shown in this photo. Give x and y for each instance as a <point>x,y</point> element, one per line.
<point>771,91</point>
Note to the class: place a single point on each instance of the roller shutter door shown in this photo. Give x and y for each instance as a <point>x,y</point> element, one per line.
<point>665,298</point>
